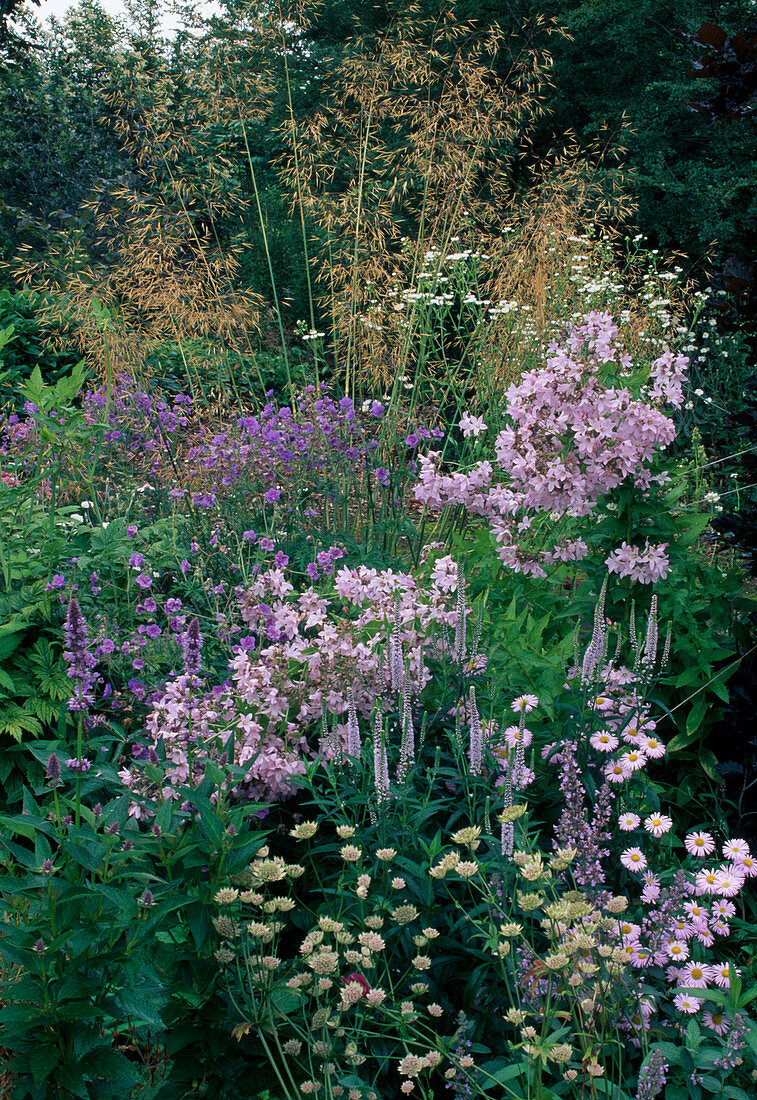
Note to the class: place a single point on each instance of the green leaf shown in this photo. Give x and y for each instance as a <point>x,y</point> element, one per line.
<point>697,714</point>
<point>43,1061</point>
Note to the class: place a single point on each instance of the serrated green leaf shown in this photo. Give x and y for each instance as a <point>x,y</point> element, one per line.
<point>42,1061</point>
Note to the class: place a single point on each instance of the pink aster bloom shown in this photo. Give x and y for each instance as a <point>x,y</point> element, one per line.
<point>513,735</point>
<point>628,822</point>
<point>684,1002</point>
<point>699,844</point>
<point>707,881</point>
<point>696,975</point>
<point>638,956</point>
<point>682,929</point>
<point>524,704</point>
<point>728,884</point>
<point>678,950</point>
<point>634,859</point>
<point>651,747</point>
<point>736,849</point>
<point>723,909</point>
<point>658,824</point>
<point>603,742</point>
<point>747,865</point>
<point>716,1021</point>
<point>721,974</point>
<point>634,760</point>
<point>617,772</point>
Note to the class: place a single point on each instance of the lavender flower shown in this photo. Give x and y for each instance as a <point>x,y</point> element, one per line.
<point>653,1076</point>
<point>80,660</point>
<point>191,644</point>
<point>52,771</point>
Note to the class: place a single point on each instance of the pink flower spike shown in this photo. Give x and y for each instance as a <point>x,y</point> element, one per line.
<point>658,824</point>
<point>699,844</point>
<point>634,859</point>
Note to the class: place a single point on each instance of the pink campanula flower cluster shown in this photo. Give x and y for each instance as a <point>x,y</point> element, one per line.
<point>574,436</point>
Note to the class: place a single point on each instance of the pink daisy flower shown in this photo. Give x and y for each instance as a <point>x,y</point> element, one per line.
<point>716,1021</point>
<point>699,844</point>
<point>603,742</point>
<point>634,760</point>
<point>658,824</point>
<point>696,974</point>
<point>696,911</point>
<point>617,772</point>
<point>634,859</point>
<point>707,881</point>
<point>639,957</point>
<point>727,884</point>
<point>747,865</point>
<point>652,748</point>
<point>735,850</point>
<point>724,909</point>
<point>513,734</point>
<point>721,974</point>
<point>678,951</point>
<point>628,822</point>
<point>682,929</point>
<point>684,1002</point>
<point>525,704</point>
<point>705,936</point>
<point>720,927</point>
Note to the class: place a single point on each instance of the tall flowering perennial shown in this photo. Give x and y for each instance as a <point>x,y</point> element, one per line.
<point>573,437</point>
<point>80,660</point>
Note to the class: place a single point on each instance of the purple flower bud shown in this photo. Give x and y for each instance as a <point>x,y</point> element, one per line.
<point>131,530</point>
<point>47,867</point>
<point>191,643</point>
<point>52,771</point>
<point>39,948</point>
<point>146,899</point>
